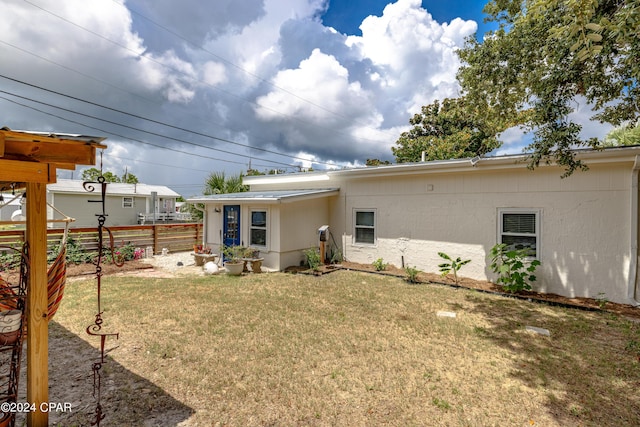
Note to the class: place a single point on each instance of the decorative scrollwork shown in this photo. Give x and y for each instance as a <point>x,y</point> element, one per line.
<point>95,329</point>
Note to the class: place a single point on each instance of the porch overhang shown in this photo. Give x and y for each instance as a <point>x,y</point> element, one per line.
<point>266,197</point>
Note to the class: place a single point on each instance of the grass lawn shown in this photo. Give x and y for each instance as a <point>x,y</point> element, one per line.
<point>343,349</point>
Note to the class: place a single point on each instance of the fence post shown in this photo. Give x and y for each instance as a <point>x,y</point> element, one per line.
<point>155,238</point>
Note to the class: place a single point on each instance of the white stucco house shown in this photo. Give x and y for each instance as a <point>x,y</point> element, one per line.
<point>584,228</point>
<point>126,204</point>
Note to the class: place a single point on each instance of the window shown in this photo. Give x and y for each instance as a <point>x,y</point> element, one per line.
<point>365,226</point>
<point>127,202</point>
<point>258,229</point>
<point>520,229</point>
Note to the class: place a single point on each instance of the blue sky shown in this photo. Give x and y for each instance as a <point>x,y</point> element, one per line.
<point>347,15</point>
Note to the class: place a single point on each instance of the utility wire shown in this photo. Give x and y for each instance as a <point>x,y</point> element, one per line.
<point>105,83</point>
<point>146,119</point>
<point>133,139</point>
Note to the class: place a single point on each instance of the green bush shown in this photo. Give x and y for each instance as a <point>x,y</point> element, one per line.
<point>412,274</point>
<point>9,260</point>
<point>312,256</point>
<point>380,265</point>
<point>125,252</point>
<point>75,252</point>
<point>513,266</point>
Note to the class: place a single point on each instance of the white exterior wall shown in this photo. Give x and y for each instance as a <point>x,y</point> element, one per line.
<point>291,228</point>
<point>584,242</point>
<point>299,224</point>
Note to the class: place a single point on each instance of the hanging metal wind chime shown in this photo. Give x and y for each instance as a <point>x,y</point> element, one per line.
<point>95,329</point>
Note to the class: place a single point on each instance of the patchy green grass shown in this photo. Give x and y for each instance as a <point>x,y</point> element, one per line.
<point>347,349</point>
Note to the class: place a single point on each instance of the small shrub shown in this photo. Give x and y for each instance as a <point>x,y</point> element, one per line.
<point>312,256</point>
<point>602,300</point>
<point>451,265</point>
<point>336,256</point>
<point>9,260</point>
<point>233,254</point>
<point>125,252</point>
<point>380,265</point>
<point>511,266</point>
<point>76,253</point>
<point>412,274</point>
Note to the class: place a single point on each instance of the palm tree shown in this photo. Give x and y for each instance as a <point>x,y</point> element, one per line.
<point>218,183</point>
<point>623,135</point>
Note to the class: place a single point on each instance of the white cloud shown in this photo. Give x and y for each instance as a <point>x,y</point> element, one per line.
<point>319,71</point>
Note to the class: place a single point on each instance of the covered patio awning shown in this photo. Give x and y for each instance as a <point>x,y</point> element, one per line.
<point>276,196</point>
<point>29,160</point>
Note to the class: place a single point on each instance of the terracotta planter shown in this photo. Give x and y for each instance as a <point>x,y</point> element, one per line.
<point>234,268</point>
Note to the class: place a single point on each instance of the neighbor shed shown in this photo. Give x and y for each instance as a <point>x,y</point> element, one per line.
<point>29,161</point>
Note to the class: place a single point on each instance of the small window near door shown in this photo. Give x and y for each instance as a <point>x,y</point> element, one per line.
<point>258,229</point>
<point>520,229</point>
<point>365,227</point>
<point>127,202</point>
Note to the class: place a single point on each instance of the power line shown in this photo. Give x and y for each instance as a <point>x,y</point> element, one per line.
<point>122,136</point>
<point>150,120</point>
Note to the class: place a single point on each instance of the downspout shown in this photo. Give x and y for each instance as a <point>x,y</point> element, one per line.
<point>633,264</point>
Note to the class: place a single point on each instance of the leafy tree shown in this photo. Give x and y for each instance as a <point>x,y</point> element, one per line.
<point>129,178</point>
<point>448,130</point>
<point>377,162</point>
<point>92,174</point>
<point>545,58</point>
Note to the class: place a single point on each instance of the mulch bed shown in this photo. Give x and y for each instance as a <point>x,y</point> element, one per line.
<point>484,286</point>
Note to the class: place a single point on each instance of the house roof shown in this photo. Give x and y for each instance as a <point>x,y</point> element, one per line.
<point>589,156</point>
<point>279,196</point>
<point>114,188</point>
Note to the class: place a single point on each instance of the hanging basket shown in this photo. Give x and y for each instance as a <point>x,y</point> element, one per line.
<point>5,419</point>
<point>10,322</point>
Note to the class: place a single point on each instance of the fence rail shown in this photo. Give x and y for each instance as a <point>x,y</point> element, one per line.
<point>173,237</point>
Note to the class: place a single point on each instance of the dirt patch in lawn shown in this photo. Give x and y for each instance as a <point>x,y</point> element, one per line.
<point>484,286</point>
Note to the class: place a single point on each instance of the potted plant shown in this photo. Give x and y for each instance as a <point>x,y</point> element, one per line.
<point>233,259</point>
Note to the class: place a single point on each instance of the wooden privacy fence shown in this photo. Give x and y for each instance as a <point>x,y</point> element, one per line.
<point>173,237</point>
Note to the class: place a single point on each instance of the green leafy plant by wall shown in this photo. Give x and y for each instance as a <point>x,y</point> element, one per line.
<point>514,267</point>
<point>380,265</point>
<point>412,274</point>
<point>312,256</point>
<point>451,265</point>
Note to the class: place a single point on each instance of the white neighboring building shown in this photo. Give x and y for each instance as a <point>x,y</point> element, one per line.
<point>584,228</point>
<point>126,204</point>
<point>9,204</point>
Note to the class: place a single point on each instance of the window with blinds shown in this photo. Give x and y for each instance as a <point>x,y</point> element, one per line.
<point>520,229</point>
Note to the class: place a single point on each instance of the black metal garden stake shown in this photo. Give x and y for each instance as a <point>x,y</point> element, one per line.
<point>96,327</point>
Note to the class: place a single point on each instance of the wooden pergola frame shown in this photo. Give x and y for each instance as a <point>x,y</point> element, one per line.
<point>30,160</point>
